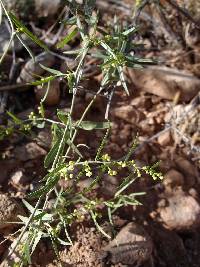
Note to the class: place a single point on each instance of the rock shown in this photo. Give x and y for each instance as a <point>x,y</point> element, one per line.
<point>86,183</point>
<point>33,8</point>
<point>173,178</point>
<point>128,113</point>
<point>193,192</point>
<point>182,212</point>
<point>46,8</point>
<point>165,138</point>
<point>29,151</point>
<point>18,178</point>
<point>192,36</point>
<point>148,126</point>
<point>2,245</point>
<point>166,82</point>
<point>6,166</point>
<point>31,68</point>
<point>132,245</point>
<point>70,64</point>
<point>52,93</point>
<point>9,210</point>
<point>109,185</point>
<point>187,168</point>
<point>5,38</point>
<point>99,102</point>
<point>142,101</point>
<point>44,139</point>
<point>169,247</point>
<point>24,114</point>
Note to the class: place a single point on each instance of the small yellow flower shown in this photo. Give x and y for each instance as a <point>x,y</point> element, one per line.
<point>112,172</point>
<point>31,115</point>
<point>71,166</point>
<point>138,3</point>
<point>63,171</point>
<point>123,164</point>
<point>106,157</point>
<point>88,174</point>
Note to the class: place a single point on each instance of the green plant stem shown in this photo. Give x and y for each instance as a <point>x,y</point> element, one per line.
<point>13,33</point>
<point>7,15</point>
<point>71,110</point>
<point>77,75</point>
<point>8,46</point>
<point>25,228</point>
<point>82,118</point>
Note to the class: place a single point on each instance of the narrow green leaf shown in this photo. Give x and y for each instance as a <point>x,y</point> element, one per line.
<point>125,184</point>
<point>90,125</point>
<point>70,21</point>
<point>54,172</point>
<point>131,30</point>
<point>56,72</point>
<point>26,252</point>
<point>63,116</point>
<point>38,236</point>
<point>46,188</point>
<point>28,206</point>
<point>122,79</point>
<point>98,226</point>
<point>52,154</point>
<point>26,47</point>
<point>74,148</point>
<point>64,243</point>
<point>23,219</point>
<point>15,119</point>
<point>67,38</point>
<point>73,52</point>
<point>44,80</point>
<point>43,216</point>
<point>141,61</point>
<point>108,49</point>
<point>131,201</point>
<point>1,14</point>
<point>25,30</point>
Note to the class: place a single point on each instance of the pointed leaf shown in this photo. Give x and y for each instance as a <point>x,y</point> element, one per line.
<point>63,116</point>
<point>39,235</point>
<point>23,219</point>
<point>28,206</point>
<point>15,119</point>
<point>26,252</point>
<point>56,72</point>
<point>25,30</point>
<point>90,125</point>
<point>46,188</point>
<point>52,154</point>
<point>67,38</point>
<point>44,80</point>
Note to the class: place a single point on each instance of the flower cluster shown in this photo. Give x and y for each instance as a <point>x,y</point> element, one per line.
<point>71,165</point>
<point>123,164</point>
<point>112,172</point>
<point>106,157</point>
<point>32,116</point>
<point>87,169</point>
